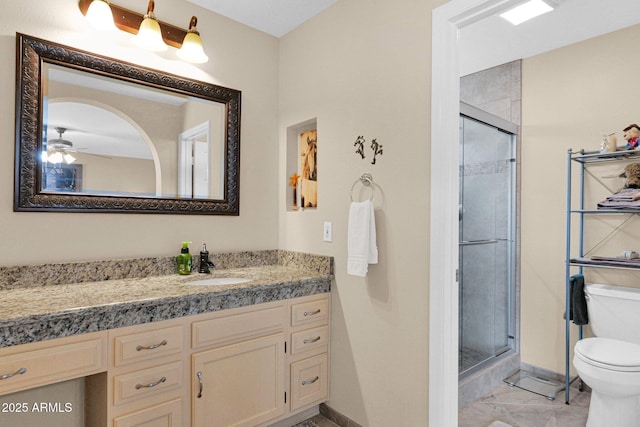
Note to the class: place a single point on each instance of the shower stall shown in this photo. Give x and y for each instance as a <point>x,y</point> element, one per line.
<point>487,264</point>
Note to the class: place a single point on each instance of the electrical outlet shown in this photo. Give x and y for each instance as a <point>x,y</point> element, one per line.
<point>327,234</point>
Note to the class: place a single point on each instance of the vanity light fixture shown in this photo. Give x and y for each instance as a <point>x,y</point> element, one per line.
<point>191,49</point>
<point>149,35</point>
<point>134,23</point>
<point>528,10</point>
<point>99,15</point>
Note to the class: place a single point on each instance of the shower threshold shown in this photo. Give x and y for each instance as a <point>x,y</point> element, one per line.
<point>535,384</point>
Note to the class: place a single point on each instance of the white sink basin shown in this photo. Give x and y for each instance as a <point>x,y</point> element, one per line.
<point>217,281</point>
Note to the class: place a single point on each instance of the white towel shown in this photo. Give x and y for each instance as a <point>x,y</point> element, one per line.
<point>361,240</point>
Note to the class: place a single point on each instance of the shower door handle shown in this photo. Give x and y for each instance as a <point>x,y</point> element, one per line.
<point>477,242</point>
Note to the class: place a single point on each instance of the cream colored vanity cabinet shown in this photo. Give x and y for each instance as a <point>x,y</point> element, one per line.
<point>146,383</point>
<point>46,362</point>
<point>255,365</point>
<point>238,364</point>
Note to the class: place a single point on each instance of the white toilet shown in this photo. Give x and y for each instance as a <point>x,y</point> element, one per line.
<point>610,362</point>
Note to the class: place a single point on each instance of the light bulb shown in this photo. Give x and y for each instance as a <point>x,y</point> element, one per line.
<point>55,157</point>
<point>68,158</point>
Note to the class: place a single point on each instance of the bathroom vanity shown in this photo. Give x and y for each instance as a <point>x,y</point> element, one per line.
<point>160,351</point>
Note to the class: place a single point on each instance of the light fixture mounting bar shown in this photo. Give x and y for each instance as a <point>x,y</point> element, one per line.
<point>129,21</point>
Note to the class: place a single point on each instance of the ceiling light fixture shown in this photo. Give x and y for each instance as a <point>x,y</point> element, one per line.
<point>100,16</point>
<point>191,49</point>
<point>149,35</point>
<point>134,23</point>
<point>527,11</point>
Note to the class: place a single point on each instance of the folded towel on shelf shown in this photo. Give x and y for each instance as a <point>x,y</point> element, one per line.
<point>578,304</point>
<point>361,238</point>
<point>628,198</point>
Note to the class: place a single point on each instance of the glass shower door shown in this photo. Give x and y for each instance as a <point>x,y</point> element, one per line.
<point>487,261</point>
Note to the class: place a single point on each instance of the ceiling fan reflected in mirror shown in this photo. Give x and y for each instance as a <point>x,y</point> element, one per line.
<point>59,149</point>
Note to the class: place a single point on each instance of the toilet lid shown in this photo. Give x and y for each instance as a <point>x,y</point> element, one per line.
<point>610,354</point>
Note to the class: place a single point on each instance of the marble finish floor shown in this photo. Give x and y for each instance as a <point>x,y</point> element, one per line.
<point>317,421</point>
<point>507,406</point>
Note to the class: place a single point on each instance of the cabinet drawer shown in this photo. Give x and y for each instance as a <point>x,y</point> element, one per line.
<point>168,414</point>
<point>147,345</point>
<point>310,312</point>
<point>146,382</point>
<point>309,339</point>
<point>47,364</point>
<point>237,327</point>
<point>309,381</point>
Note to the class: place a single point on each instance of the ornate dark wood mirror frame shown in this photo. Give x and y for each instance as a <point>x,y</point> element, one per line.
<point>31,53</point>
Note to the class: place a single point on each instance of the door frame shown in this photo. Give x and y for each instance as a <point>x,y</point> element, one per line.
<point>443,254</point>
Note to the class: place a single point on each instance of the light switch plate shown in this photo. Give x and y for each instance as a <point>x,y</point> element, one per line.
<point>327,234</point>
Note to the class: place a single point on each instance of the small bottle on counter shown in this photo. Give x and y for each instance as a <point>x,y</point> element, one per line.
<point>204,260</point>
<point>184,259</point>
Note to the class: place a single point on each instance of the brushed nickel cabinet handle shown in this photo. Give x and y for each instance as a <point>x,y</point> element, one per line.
<point>150,385</point>
<point>310,382</point>
<point>18,372</point>
<point>311,313</point>
<point>151,347</point>
<point>310,340</point>
<point>199,374</point>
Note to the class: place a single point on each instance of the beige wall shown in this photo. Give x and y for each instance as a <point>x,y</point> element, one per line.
<point>362,67</point>
<point>570,96</point>
<point>239,57</point>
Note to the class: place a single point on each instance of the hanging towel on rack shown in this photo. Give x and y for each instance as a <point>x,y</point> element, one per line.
<point>361,239</point>
<point>578,307</point>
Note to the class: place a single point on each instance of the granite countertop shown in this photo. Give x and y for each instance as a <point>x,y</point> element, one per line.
<point>35,313</point>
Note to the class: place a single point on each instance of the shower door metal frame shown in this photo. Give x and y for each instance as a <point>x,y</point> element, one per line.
<point>481,116</point>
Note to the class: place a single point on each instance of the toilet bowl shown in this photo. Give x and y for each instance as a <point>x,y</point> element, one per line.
<point>610,363</point>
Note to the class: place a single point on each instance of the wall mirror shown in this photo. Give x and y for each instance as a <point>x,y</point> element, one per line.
<point>94,134</point>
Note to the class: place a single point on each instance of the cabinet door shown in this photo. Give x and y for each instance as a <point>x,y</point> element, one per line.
<point>240,384</point>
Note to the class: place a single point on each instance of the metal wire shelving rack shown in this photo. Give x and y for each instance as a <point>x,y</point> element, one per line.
<point>583,159</point>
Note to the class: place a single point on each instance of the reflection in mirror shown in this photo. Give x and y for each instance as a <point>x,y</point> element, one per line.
<point>104,125</point>
<point>98,135</point>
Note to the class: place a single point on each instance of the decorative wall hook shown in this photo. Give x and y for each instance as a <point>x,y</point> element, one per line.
<point>377,149</point>
<point>360,144</point>
<point>375,146</point>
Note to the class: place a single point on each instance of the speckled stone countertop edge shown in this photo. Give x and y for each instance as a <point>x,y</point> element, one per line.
<point>100,318</point>
<point>37,313</point>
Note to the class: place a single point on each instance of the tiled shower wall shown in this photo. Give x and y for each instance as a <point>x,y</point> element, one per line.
<point>496,90</point>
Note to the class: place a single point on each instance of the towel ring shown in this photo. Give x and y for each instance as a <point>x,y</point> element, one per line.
<point>367,180</point>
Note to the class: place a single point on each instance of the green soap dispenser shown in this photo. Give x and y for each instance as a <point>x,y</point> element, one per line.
<point>184,259</point>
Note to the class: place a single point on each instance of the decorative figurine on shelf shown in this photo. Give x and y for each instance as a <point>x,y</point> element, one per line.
<point>631,135</point>
<point>631,175</point>
<point>609,143</point>
<point>293,182</point>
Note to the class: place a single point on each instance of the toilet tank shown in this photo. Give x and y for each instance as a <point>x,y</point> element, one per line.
<point>614,311</point>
